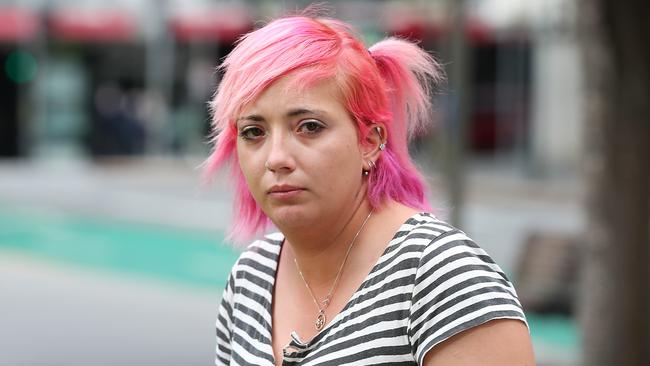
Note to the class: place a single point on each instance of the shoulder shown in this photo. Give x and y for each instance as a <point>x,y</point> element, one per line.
<point>251,279</point>
<point>448,258</point>
<point>424,240</point>
<point>260,256</point>
<point>438,242</point>
<point>430,236</point>
<point>457,285</point>
<point>422,226</point>
<point>265,247</point>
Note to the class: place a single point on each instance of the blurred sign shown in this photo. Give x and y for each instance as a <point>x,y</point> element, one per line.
<point>213,25</point>
<point>17,25</point>
<point>95,25</point>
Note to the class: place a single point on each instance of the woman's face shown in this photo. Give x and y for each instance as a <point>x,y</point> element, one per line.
<point>300,154</point>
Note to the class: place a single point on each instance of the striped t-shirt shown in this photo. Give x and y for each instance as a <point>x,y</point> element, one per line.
<point>431,282</point>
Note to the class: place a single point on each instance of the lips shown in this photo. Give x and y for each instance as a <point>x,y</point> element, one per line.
<point>284,188</point>
<point>284,191</point>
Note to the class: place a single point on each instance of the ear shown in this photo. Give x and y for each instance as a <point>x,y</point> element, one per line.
<point>370,149</point>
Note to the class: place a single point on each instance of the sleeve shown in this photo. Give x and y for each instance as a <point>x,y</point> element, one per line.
<point>457,287</point>
<point>224,323</point>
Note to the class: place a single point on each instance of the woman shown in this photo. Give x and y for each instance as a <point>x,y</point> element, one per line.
<point>315,127</point>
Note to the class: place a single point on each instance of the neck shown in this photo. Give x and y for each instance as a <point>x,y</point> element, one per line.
<point>320,250</point>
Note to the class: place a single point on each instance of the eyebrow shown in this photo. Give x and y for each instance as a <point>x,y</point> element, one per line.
<point>295,112</point>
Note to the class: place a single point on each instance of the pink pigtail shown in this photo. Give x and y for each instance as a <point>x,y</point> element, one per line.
<point>408,71</point>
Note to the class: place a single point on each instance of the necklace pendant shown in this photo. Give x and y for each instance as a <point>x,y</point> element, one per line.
<point>320,320</point>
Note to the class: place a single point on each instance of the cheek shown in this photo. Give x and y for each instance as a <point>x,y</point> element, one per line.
<point>342,162</point>
<point>248,167</point>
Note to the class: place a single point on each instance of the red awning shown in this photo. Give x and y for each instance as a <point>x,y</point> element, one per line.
<point>214,25</point>
<point>417,31</point>
<point>17,24</point>
<point>476,31</point>
<point>92,26</point>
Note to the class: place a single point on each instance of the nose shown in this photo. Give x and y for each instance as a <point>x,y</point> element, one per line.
<point>279,157</point>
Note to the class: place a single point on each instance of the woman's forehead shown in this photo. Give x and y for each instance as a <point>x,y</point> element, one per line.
<point>292,93</point>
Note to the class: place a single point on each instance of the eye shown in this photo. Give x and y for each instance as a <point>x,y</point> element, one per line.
<point>251,133</point>
<point>310,126</point>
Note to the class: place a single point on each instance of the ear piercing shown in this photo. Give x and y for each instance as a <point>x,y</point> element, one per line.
<point>382,146</point>
<point>371,166</point>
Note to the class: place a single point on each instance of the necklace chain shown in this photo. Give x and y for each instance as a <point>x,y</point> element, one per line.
<point>320,318</point>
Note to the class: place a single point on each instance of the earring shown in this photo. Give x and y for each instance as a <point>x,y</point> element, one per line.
<point>371,166</point>
<point>382,146</point>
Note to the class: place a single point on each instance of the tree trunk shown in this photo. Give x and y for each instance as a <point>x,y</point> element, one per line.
<point>614,304</point>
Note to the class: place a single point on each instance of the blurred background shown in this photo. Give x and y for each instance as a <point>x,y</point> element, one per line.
<point>111,249</point>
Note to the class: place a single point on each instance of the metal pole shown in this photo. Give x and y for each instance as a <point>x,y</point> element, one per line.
<point>460,108</point>
<point>159,81</point>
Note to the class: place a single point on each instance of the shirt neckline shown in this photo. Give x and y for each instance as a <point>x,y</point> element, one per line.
<point>296,341</point>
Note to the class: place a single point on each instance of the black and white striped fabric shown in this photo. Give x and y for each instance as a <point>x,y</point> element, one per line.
<point>430,283</point>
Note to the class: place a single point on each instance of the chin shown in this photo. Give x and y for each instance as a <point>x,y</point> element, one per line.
<point>293,216</point>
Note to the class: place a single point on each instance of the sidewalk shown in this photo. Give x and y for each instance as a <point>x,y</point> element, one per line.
<point>154,191</point>
<point>501,207</point>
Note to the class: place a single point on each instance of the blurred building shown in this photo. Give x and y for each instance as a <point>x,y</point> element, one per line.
<point>95,78</point>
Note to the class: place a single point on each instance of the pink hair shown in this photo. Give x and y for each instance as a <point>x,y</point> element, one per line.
<point>387,84</point>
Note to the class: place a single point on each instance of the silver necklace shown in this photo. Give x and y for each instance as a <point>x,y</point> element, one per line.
<point>321,319</point>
